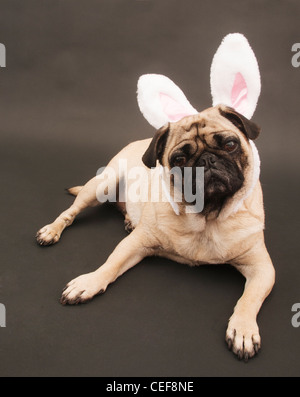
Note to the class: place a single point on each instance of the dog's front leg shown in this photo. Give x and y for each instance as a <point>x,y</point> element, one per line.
<point>130,251</point>
<point>242,334</point>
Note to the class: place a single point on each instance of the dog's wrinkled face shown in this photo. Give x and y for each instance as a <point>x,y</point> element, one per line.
<point>216,139</point>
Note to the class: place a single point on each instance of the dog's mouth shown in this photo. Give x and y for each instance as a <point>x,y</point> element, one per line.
<point>219,180</point>
<point>220,184</point>
<point>215,183</point>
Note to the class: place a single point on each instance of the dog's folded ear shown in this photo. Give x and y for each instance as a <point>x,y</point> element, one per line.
<point>247,127</point>
<point>157,146</point>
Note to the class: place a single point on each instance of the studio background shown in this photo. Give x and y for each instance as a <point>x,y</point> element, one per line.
<point>67,106</point>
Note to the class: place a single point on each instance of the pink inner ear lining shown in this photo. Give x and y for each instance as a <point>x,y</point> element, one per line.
<point>174,110</point>
<point>239,93</point>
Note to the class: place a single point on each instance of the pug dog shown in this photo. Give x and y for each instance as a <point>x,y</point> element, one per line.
<point>229,228</point>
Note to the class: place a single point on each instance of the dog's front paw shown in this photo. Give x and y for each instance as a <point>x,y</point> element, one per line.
<point>81,289</point>
<point>47,235</point>
<point>242,337</point>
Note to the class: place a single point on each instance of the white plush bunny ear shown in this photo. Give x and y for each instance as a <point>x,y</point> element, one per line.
<point>235,77</point>
<point>160,100</point>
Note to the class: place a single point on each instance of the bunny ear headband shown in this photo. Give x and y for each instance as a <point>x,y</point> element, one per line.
<point>234,80</point>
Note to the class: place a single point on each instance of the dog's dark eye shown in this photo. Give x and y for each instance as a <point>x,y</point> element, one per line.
<point>179,161</point>
<point>230,146</point>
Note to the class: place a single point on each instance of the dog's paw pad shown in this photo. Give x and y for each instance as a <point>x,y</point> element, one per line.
<point>47,235</point>
<point>81,290</point>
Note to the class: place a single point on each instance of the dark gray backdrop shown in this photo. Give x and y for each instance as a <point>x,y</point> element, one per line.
<point>67,105</point>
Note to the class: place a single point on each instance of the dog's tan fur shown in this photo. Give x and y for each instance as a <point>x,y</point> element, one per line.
<point>193,239</point>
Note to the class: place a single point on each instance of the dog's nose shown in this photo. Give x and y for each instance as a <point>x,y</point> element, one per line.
<point>207,159</point>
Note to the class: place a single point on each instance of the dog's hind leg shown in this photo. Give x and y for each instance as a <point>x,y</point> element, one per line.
<point>96,191</point>
<point>74,190</point>
<point>86,197</point>
<point>89,195</point>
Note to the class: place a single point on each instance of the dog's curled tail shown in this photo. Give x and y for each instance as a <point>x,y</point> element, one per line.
<point>74,190</point>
